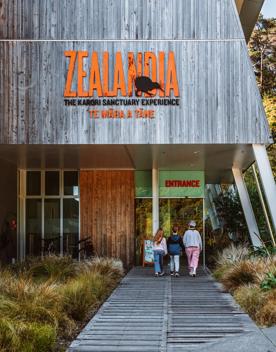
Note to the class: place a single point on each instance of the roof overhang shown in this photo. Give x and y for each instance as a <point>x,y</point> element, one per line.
<point>249,11</point>
<point>216,160</point>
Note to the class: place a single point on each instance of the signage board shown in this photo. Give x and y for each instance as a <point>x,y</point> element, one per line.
<point>148,252</point>
<point>181,184</point>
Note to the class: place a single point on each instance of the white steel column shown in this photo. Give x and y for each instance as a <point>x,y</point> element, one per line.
<point>247,208</point>
<point>155,200</point>
<point>267,179</point>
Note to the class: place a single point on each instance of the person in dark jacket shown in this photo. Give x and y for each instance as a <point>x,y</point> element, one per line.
<point>175,246</point>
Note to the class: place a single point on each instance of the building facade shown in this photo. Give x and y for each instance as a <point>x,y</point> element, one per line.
<point>116,114</point>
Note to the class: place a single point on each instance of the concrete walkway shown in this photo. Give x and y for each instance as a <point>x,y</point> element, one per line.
<point>170,315</point>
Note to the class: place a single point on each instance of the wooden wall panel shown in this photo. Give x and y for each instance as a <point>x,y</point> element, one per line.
<point>219,98</point>
<point>119,19</point>
<point>107,212</point>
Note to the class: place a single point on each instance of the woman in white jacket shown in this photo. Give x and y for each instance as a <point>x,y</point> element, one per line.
<point>193,246</point>
<point>159,250</point>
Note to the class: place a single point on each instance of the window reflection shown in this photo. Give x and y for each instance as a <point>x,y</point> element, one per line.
<point>33,227</point>
<point>71,226</point>
<point>143,225</point>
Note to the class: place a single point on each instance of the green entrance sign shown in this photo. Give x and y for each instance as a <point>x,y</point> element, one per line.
<point>181,184</point>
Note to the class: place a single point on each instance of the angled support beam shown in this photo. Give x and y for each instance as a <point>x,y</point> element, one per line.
<point>267,179</point>
<point>247,208</point>
<point>263,205</point>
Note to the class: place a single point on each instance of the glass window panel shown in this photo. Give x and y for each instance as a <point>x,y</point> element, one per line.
<point>33,183</point>
<point>33,227</point>
<point>71,226</point>
<point>51,226</point>
<point>143,183</point>
<point>179,212</point>
<point>143,223</point>
<point>52,183</point>
<point>71,183</point>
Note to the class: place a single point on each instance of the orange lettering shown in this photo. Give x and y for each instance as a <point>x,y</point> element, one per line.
<point>171,81</point>
<point>81,73</point>
<point>95,77</point>
<point>72,54</point>
<point>119,79</point>
<point>161,59</point>
<point>106,91</point>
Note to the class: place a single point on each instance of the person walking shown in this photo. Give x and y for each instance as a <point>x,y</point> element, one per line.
<point>175,246</point>
<point>193,246</point>
<point>159,250</point>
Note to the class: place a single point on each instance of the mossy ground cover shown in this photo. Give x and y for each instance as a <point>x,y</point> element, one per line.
<point>44,303</point>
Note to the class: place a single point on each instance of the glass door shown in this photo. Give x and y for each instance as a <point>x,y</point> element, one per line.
<point>179,211</point>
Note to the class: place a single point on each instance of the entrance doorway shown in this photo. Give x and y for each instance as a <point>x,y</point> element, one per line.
<point>172,211</point>
<point>179,211</point>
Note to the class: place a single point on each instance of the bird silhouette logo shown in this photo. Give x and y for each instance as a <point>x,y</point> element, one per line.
<point>144,84</point>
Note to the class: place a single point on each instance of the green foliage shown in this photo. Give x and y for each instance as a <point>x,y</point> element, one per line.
<point>230,212</point>
<point>263,252</point>
<point>269,282</point>
<point>262,51</point>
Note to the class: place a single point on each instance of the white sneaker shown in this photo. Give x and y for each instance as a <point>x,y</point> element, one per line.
<point>194,272</point>
<point>191,272</point>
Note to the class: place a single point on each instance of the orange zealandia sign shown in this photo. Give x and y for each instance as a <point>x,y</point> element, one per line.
<point>140,80</point>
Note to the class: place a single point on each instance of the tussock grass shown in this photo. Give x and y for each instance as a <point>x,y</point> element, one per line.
<point>232,255</point>
<point>250,298</point>
<point>46,300</point>
<point>246,277</point>
<point>243,273</point>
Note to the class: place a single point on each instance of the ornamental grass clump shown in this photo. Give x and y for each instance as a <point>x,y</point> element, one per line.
<point>250,298</point>
<point>20,336</point>
<point>41,304</point>
<point>252,281</point>
<point>242,273</point>
<point>232,255</point>
<point>53,267</point>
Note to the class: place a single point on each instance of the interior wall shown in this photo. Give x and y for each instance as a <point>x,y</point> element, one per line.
<point>8,207</point>
<point>107,212</point>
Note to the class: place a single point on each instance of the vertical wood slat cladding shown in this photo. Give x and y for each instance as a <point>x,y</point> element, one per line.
<point>119,19</point>
<point>107,212</point>
<point>219,98</point>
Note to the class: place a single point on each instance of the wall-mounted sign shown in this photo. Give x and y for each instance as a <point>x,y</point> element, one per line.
<point>181,184</point>
<point>120,85</point>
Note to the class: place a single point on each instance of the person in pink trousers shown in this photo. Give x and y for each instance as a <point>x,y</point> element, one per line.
<point>193,246</point>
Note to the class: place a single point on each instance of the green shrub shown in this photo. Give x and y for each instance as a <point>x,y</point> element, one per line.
<point>269,282</point>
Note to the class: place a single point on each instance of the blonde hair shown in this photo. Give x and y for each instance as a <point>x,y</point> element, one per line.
<point>158,236</point>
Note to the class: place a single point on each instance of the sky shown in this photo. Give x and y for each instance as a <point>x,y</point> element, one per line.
<point>269,8</point>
